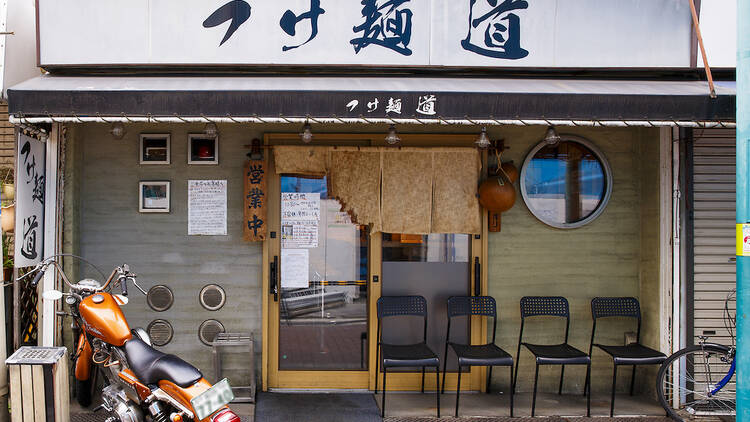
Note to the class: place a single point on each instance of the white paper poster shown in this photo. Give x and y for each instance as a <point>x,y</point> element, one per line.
<point>207,207</point>
<point>300,220</point>
<point>295,268</point>
<point>30,201</point>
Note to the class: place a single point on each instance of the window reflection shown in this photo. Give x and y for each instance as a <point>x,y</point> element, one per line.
<point>564,183</point>
<point>425,248</point>
<point>323,321</point>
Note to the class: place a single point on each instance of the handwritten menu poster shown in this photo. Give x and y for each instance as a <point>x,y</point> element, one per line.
<point>300,219</point>
<point>207,207</point>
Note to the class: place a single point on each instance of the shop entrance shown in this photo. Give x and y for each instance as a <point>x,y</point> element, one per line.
<point>324,276</point>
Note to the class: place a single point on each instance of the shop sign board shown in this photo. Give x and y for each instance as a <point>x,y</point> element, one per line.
<point>255,212</point>
<point>424,33</point>
<point>30,189</point>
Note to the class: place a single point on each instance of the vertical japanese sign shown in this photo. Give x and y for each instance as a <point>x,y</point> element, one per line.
<point>255,201</point>
<point>30,201</point>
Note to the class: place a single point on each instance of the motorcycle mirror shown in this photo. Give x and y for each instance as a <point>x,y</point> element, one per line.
<point>122,300</point>
<point>52,295</point>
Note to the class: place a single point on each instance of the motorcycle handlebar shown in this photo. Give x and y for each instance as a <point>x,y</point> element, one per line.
<point>124,286</point>
<point>37,277</point>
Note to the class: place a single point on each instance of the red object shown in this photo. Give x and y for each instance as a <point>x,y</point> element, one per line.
<point>225,415</point>
<point>204,152</point>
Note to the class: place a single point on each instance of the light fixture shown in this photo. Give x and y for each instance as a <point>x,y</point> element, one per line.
<point>483,141</point>
<point>392,137</point>
<point>117,130</point>
<point>306,135</point>
<point>210,129</point>
<point>551,137</point>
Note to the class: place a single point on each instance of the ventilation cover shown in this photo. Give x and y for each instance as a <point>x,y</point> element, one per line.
<point>160,331</point>
<point>212,297</point>
<point>160,298</point>
<point>208,331</point>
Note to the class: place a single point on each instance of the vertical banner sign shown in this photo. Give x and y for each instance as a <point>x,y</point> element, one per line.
<point>30,201</point>
<point>255,201</point>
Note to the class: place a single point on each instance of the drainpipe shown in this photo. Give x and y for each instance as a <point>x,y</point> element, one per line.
<point>743,210</point>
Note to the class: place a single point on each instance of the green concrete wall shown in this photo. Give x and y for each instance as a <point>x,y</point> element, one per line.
<point>615,255</point>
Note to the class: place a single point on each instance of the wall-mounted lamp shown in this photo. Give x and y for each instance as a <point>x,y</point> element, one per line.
<point>210,130</point>
<point>306,136</point>
<point>392,137</point>
<point>483,141</point>
<point>551,137</point>
<point>117,130</point>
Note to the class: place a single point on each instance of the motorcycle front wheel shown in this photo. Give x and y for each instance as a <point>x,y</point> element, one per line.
<point>686,378</point>
<point>83,392</point>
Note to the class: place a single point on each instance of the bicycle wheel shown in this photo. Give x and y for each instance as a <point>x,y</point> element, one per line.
<point>698,370</point>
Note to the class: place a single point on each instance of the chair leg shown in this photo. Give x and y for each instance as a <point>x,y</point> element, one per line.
<point>511,392</point>
<point>423,379</point>
<point>562,373</point>
<point>586,385</point>
<point>632,381</point>
<point>588,396</point>
<point>437,388</point>
<point>614,387</point>
<point>445,367</point>
<point>489,380</point>
<point>515,376</point>
<point>458,388</point>
<point>533,400</point>
<point>382,412</point>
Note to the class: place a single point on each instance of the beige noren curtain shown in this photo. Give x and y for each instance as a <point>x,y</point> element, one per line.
<point>404,190</point>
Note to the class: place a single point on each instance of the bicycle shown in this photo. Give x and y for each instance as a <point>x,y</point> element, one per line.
<point>704,385</point>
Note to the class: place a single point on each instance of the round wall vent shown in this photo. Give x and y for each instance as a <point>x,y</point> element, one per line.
<point>160,331</point>
<point>208,331</point>
<point>160,298</point>
<point>212,297</point>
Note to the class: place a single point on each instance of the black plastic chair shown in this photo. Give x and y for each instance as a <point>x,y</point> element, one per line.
<point>632,354</point>
<point>475,355</point>
<point>405,355</point>
<point>551,354</point>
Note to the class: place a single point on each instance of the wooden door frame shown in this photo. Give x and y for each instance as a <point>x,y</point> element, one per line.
<point>474,380</point>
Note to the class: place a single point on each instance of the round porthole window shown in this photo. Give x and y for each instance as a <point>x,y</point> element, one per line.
<point>566,184</point>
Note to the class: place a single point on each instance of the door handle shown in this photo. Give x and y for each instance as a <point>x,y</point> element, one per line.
<point>273,278</point>
<point>477,277</point>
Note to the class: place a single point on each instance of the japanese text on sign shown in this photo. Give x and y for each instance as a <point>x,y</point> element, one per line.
<point>254,227</point>
<point>30,201</point>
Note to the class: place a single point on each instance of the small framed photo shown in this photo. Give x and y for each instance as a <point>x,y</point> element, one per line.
<point>153,196</point>
<point>155,148</point>
<point>203,149</point>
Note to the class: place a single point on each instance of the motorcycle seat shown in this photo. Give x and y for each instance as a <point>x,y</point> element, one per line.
<point>152,366</point>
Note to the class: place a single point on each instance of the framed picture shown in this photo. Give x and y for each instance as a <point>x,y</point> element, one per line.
<point>203,149</point>
<point>153,196</point>
<point>155,148</point>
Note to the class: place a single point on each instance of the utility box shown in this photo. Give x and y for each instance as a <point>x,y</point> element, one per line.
<point>39,384</point>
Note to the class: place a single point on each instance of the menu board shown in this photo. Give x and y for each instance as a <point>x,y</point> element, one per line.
<point>207,207</point>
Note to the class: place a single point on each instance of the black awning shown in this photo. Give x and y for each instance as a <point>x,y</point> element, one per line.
<point>373,97</point>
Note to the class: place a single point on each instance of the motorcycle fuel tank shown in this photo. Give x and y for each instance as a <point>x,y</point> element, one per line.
<point>103,318</point>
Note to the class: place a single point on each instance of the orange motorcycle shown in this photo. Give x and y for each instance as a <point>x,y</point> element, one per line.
<point>142,382</point>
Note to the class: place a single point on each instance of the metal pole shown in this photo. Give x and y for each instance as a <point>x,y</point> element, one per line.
<point>743,210</point>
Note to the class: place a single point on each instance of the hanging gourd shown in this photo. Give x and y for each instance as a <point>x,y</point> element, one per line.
<point>497,193</point>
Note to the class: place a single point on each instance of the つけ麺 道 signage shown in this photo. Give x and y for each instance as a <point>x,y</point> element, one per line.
<point>255,224</point>
<point>513,33</point>
<point>30,189</point>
